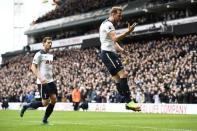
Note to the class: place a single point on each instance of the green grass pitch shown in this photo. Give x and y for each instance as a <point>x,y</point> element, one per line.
<point>96,121</point>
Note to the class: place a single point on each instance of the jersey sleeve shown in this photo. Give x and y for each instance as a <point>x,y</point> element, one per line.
<point>109,27</point>
<point>36,58</point>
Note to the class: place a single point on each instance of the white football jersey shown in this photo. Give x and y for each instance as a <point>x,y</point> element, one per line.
<point>44,64</point>
<point>106,43</point>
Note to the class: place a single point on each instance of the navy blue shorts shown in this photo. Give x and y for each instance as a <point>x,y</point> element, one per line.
<point>111,61</point>
<point>47,89</point>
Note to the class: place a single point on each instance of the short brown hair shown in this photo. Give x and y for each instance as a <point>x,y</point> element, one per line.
<point>115,9</point>
<point>46,38</point>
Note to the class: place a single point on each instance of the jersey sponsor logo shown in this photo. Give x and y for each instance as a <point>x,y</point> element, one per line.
<point>48,62</point>
<point>47,59</point>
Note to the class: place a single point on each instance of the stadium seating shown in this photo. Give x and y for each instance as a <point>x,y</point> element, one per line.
<point>161,70</point>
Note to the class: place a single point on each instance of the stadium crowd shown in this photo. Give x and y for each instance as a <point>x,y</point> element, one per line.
<point>160,71</point>
<point>141,20</point>
<point>74,7</point>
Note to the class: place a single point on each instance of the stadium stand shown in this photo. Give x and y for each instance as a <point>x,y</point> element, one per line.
<point>165,67</point>
<point>141,12</point>
<point>162,65</point>
<point>72,7</point>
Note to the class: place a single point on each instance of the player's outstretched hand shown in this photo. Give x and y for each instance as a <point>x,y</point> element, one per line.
<point>131,28</point>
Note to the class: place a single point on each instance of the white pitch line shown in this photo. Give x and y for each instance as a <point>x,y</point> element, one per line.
<point>100,123</point>
<point>113,125</point>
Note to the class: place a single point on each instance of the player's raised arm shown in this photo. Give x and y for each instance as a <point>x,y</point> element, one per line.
<point>117,38</point>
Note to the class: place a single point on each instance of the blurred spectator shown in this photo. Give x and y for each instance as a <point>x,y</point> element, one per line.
<point>84,105</point>
<point>5,104</point>
<point>76,98</point>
